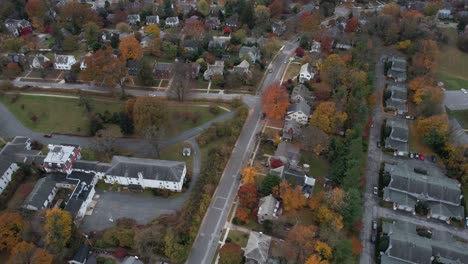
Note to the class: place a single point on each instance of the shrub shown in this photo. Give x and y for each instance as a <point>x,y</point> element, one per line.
<point>34,118</point>
<point>120,253</point>
<point>214,109</point>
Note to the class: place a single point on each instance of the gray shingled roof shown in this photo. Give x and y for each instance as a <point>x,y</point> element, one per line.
<point>301,106</point>
<point>302,91</point>
<point>257,248</point>
<point>162,170</point>
<point>40,193</point>
<point>267,205</point>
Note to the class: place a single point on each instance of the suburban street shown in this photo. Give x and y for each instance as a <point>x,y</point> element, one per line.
<point>204,247</point>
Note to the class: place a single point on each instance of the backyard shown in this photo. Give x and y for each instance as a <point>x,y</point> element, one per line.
<point>238,237</point>
<point>453,65</point>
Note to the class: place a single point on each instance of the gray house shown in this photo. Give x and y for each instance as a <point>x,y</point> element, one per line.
<point>253,53</point>
<point>301,93</point>
<point>133,19</point>
<point>442,194</point>
<point>257,249</point>
<point>291,129</point>
<point>268,209</point>
<point>15,26</point>
<point>397,70</point>
<point>152,20</point>
<point>398,99</point>
<point>299,112</point>
<point>214,69</point>
<point>398,139</point>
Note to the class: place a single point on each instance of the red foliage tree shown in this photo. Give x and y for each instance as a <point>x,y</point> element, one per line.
<point>326,44</point>
<point>352,25</point>
<point>242,215</point>
<point>275,163</point>
<point>26,31</point>
<point>24,190</point>
<point>299,52</point>
<point>227,30</point>
<point>276,8</point>
<point>230,253</point>
<point>120,253</point>
<point>248,195</point>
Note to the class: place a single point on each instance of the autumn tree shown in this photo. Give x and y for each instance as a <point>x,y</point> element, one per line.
<point>357,246</point>
<point>41,256</point>
<point>428,100</point>
<point>433,130</point>
<point>316,259</point>
<point>248,174</point>
<point>276,8</point>
<point>152,30</point>
<point>12,44</point>
<point>203,7</point>
<point>336,199</point>
<point>12,70</point>
<point>300,243</point>
<point>130,48</point>
<point>11,230</point>
<point>104,68</point>
<point>275,101</point>
<point>36,10</point>
<point>154,47</point>
<point>310,22</point>
<point>22,253</point>
<point>314,139</point>
<point>262,18</point>
<point>333,70</point>
<point>327,117</point>
<point>230,253</point>
<point>58,229</point>
<point>425,59</point>
<point>248,195</point>
<point>329,219</point>
<point>324,250</point>
<point>391,9</point>
<point>352,25</point>
<point>292,197</point>
<point>242,214</point>
<point>150,112</point>
<point>123,27</point>
<point>91,33</point>
<point>181,85</point>
<point>149,241</point>
<point>73,16</point>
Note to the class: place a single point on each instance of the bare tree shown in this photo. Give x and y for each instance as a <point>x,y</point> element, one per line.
<point>154,137</point>
<point>314,139</point>
<point>104,142</point>
<point>181,80</point>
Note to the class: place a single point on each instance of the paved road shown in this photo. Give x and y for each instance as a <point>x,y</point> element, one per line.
<point>204,247</point>
<point>456,100</point>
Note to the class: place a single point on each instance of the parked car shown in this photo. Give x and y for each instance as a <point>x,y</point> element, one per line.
<point>49,135</point>
<point>463,90</point>
<point>466,222</point>
<point>433,159</point>
<point>409,117</point>
<point>373,236</point>
<point>421,156</point>
<point>378,144</point>
<point>416,155</point>
<point>376,190</point>
<point>374,224</point>
<point>411,155</point>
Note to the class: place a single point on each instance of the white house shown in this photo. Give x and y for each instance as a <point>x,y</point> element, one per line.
<point>133,19</point>
<point>214,69</point>
<point>172,21</point>
<point>9,159</point>
<point>299,112</point>
<point>61,157</point>
<point>64,62</point>
<point>37,61</point>
<point>306,73</point>
<point>152,20</point>
<point>315,48</point>
<point>7,170</point>
<point>268,209</point>
<point>147,173</point>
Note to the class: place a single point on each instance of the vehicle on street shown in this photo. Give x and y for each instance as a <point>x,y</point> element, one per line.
<point>374,224</point>
<point>433,159</point>
<point>49,135</point>
<point>378,144</point>
<point>270,70</point>
<point>416,155</point>
<point>286,61</point>
<point>411,155</point>
<point>421,156</point>
<point>376,190</point>
<point>373,236</point>
<point>463,90</point>
<point>409,117</point>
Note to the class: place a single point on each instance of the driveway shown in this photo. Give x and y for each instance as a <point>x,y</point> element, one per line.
<point>456,100</point>
<point>141,207</point>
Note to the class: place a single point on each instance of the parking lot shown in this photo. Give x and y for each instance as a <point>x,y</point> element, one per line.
<point>143,208</point>
<point>456,100</point>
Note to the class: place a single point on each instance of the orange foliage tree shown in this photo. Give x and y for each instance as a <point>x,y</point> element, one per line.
<point>316,259</point>
<point>352,25</point>
<point>248,195</point>
<point>357,246</point>
<point>310,22</point>
<point>324,250</point>
<point>292,198</point>
<point>300,243</point>
<point>426,58</point>
<point>11,230</point>
<point>26,252</point>
<point>435,124</point>
<point>104,68</point>
<point>36,10</point>
<point>130,48</point>
<point>248,174</point>
<point>275,101</point>
<point>327,117</point>
<point>242,215</point>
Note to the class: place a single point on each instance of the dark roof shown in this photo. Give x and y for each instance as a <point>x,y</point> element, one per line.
<point>294,176</point>
<point>81,254</point>
<point>301,106</point>
<point>162,170</point>
<point>133,67</point>
<point>40,193</point>
<point>152,19</point>
<point>91,166</point>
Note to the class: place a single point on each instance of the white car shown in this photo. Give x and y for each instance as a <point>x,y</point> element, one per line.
<point>376,190</point>
<point>463,91</point>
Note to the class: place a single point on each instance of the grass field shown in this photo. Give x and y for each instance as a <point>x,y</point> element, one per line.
<point>461,116</point>
<point>238,237</point>
<point>453,64</point>
<point>319,169</point>
<point>292,72</point>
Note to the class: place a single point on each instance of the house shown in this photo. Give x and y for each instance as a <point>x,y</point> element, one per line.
<point>257,249</point>
<point>297,176</point>
<point>268,209</point>
<point>214,69</point>
<point>61,157</point>
<point>15,26</point>
<point>397,69</point>
<point>106,36</point>
<point>163,70</point>
<point>172,21</point>
<point>242,68</point>
<point>316,46</point>
<point>81,256</point>
<point>398,138</point>
<point>132,67</point>
<point>152,20</point>
<point>301,93</point>
<point>250,41</point>
<point>64,62</point>
<point>42,194</point>
<point>219,41</point>
<point>232,23</point>
<point>212,23</point>
<point>291,130</point>
<point>407,245</point>
<point>37,61</point>
<point>133,19</point>
<point>299,112</point>
<point>444,14</point>
<point>409,185</point>
<point>306,73</point>
<point>287,153</point>
<point>195,69</point>
<point>131,260</point>
<point>278,28</point>
<point>253,53</point>
<point>398,99</point>
<point>147,173</point>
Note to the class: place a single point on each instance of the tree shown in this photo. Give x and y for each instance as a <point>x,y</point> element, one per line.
<point>248,195</point>
<point>12,226</point>
<point>275,101</point>
<point>130,48</point>
<point>203,7</point>
<point>145,74</point>
<point>434,130</point>
<point>271,181</point>
<point>343,251</point>
<point>425,59</point>
<point>262,18</point>
<point>12,70</point>
<point>242,215</point>
<point>352,212</point>
<point>462,42</point>
<point>91,33</point>
<point>22,253</point>
<point>230,253</point>
<point>150,241</point>
<point>336,199</point>
<point>104,68</point>
<point>152,30</point>
<point>58,229</point>
<point>314,139</point>
<point>276,8</point>
<point>149,112</point>
<point>300,243</point>
<point>13,44</point>
<point>357,246</point>
<point>41,256</point>
<point>73,16</point>
<point>155,47</point>
<point>36,10</point>
<point>181,85</point>
<point>248,174</point>
<point>70,43</point>
<point>126,124</point>
<point>327,117</point>
<point>292,198</point>
<point>333,70</point>
<point>315,259</point>
<point>310,22</point>
<point>391,9</point>
<point>352,25</point>
<point>123,27</point>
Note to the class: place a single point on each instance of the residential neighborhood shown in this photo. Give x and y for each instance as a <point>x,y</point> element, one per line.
<point>260,132</point>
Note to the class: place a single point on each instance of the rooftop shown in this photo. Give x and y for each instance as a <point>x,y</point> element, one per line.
<point>258,247</point>
<point>60,153</point>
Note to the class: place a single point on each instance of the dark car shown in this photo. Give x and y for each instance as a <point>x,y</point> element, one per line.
<point>433,159</point>
<point>374,225</point>
<point>48,135</point>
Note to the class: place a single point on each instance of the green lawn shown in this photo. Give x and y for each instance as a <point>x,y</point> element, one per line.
<point>62,115</point>
<point>453,64</point>
<point>319,169</point>
<point>238,237</point>
<point>189,116</point>
<point>292,72</point>
<point>461,116</point>
<point>175,153</point>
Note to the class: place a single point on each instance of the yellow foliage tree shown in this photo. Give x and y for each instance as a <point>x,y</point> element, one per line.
<point>292,198</point>
<point>327,118</point>
<point>11,230</point>
<point>152,30</point>
<point>438,123</point>
<point>403,45</point>
<point>316,259</point>
<point>248,174</point>
<point>58,228</point>
<point>130,48</point>
<point>324,250</point>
